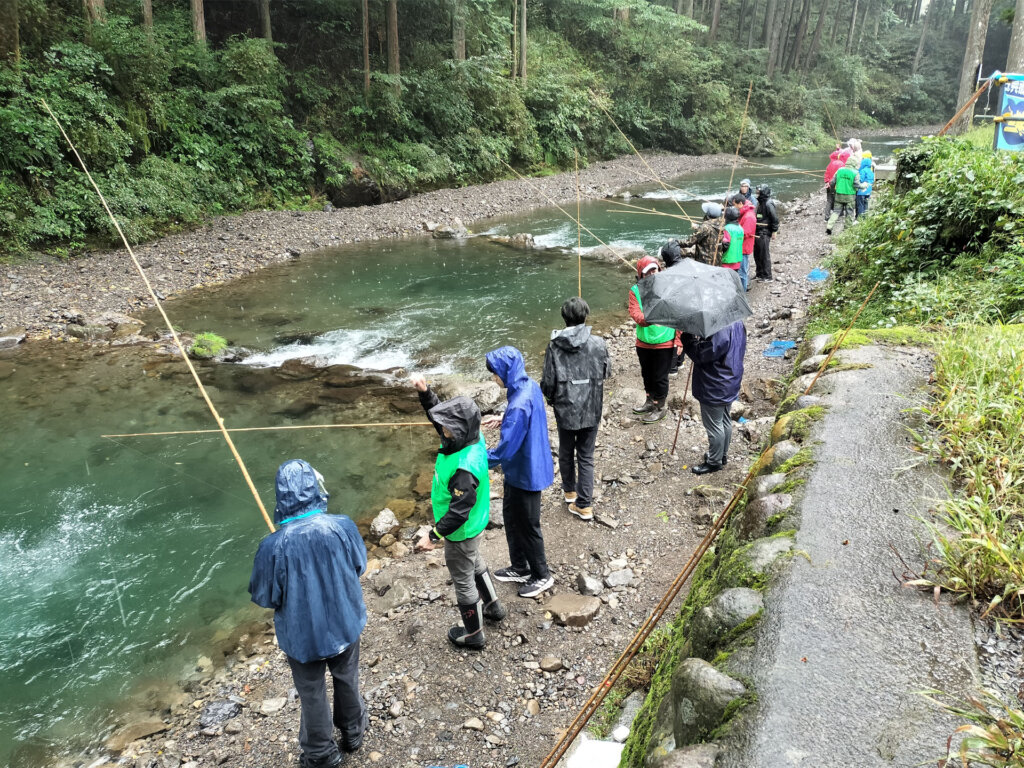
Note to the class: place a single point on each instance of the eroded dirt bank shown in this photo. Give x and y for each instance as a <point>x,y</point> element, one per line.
<point>40,296</point>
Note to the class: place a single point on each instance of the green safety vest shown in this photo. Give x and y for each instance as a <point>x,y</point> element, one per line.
<point>846,180</point>
<point>652,334</point>
<point>734,254</point>
<point>473,459</point>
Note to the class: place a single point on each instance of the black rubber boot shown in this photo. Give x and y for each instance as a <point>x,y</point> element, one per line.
<point>471,633</point>
<point>493,609</point>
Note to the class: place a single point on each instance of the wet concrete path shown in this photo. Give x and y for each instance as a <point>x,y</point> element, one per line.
<point>843,648</point>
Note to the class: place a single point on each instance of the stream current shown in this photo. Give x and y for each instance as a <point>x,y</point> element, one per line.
<point>123,561</point>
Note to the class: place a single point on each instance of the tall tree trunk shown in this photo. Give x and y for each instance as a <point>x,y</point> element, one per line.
<point>394,64</point>
<point>716,15</point>
<point>10,44</point>
<point>853,27</point>
<point>863,24</point>
<point>689,8</point>
<point>801,33</point>
<point>147,15</point>
<point>740,18</point>
<point>751,25</point>
<point>459,30</point>
<point>265,30</point>
<point>522,42</point>
<point>769,18</point>
<point>976,34</point>
<point>835,28</point>
<point>779,38</point>
<point>515,39</point>
<point>198,21</point>
<point>816,40</point>
<point>920,43</point>
<point>959,8</point>
<point>366,47</point>
<point>1015,57</point>
<point>94,11</point>
<point>878,18</point>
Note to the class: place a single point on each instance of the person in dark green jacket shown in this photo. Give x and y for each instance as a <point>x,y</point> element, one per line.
<point>845,184</point>
<point>460,496</point>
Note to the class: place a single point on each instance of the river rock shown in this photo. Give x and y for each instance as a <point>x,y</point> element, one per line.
<point>573,610</point>
<point>700,694</point>
<point>630,709</point>
<point>616,255</point>
<point>297,369</point>
<point>812,364</point>
<point>343,396</point>
<point>486,394</point>
<point>765,484</point>
<point>782,452</point>
<point>125,735</point>
<point>519,240</point>
<point>551,663</point>
<point>474,724</point>
<point>384,523</point>
<point>588,585</point>
<point>727,611</point>
<point>620,578</point>
<point>299,407</point>
<point>799,384</point>
<point>271,707</point>
<point>752,521</point>
<point>737,409</point>
<point>387,540</point>
<point>693,756</point>
<point>454,229</point>
<point>760,555</point>
<point>804,401</point>
<point>397,591</point>
<point>12,340</point>
<point>256,381</point>
<point>818,344</point>
<point>217,712</point>
<point>89,332</point>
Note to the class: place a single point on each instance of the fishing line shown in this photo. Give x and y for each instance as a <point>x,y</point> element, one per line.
<point>174,334</point>
<point>732,174</point>
<point>547,197</point>
<point>824,103</point>
<point>579,228</point>
<point>275,429</point>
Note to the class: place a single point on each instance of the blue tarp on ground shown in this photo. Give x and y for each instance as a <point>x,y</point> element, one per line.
<point>818,275</point>
<point>778,348</point>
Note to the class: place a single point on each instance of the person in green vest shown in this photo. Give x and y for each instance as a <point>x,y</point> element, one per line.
<point>655,349</point>
<point>845,183</point>
<point>460,496</point>
<point>732,240</point>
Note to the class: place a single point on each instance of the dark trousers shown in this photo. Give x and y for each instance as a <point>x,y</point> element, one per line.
<point>316,723</point>
<point>830,201</point>
<point>521,510</point>
<point>654,367</point>
<point>862,205</point>
<point>762,256</point>
<point>576,447</point>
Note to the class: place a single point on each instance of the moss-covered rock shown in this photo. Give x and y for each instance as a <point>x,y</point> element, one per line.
<point>796,425</point>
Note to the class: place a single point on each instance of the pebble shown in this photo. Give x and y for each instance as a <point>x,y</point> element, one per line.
<point>473,724</point>
<point>532,708</point>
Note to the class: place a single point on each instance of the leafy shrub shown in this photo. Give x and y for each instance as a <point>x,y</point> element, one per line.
<point>207,345</point>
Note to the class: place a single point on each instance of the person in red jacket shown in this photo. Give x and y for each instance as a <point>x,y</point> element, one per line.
<point>748,222</point>
<point>834,164</point>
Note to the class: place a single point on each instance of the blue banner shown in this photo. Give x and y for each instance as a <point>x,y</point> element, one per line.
<point>1010,128</point>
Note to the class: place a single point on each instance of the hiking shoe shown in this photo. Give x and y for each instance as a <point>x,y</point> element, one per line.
<point>828,230</point>
<point>583,513</point>
<point>329,761</point>
<point>655,415</point>
<point>351,745</point>
<point>706,468</point>
<point>511,574</point>
<point>570,497</point>
<point>535,587</point>
<point>725,460</point>
<point>647,407</point>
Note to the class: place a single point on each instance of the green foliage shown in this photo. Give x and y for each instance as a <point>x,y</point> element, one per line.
<point>207,345</point>
<point>948,244</point>
<point>993,735</point>
<point>978,408</point>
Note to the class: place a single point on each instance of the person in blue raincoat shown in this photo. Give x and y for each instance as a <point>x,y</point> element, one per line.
<point>524,454</point>
<point>308,572</point>
<point>865,185</point>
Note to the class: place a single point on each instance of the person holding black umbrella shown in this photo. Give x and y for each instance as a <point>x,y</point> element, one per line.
<point>655,349</point>
<point>717,375</point>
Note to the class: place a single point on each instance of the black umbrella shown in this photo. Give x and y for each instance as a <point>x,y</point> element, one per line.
<point>694,298</point>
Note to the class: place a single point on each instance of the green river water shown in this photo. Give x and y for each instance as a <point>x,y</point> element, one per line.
<point>124,560</point>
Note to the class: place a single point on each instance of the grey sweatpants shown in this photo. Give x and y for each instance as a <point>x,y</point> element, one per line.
<point>464,563</point>
<point>719,428</point>
<point>316,725</point>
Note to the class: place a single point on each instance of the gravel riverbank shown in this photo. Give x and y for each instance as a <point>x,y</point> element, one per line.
<point>39,296</point>
<point>432,705</point>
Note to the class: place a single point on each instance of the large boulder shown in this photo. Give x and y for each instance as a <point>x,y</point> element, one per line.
<point>752,521</point>
<point>700,695</point>
<point>765,484</point>
<point>451,230</point>
<point>783,451</point>
<point>727,611</point>
<point>803,401</point>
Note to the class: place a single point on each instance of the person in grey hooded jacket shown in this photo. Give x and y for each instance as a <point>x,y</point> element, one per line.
<point>576,364</point>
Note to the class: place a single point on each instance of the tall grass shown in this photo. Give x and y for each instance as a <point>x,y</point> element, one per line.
<point>979,411</point>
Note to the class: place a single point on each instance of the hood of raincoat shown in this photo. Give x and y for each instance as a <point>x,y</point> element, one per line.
<point>300,490</point>
<point>834,155</point>
<point>507,364</point>
<point>852,162</point>
<point>644,263</point>
<point>845,155</point>
<point>571,339</point>
<point>461,417</point>
<point>865,163</point>
<point>671,252</point>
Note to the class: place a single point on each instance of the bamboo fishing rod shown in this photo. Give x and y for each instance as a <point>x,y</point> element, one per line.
<point>380,425</point>
<point>630,143</point>
<point>547,197</point>
<point>579,228</point>
<point>174,334</point>
<point>964,108</point>
<point>732,174</point>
